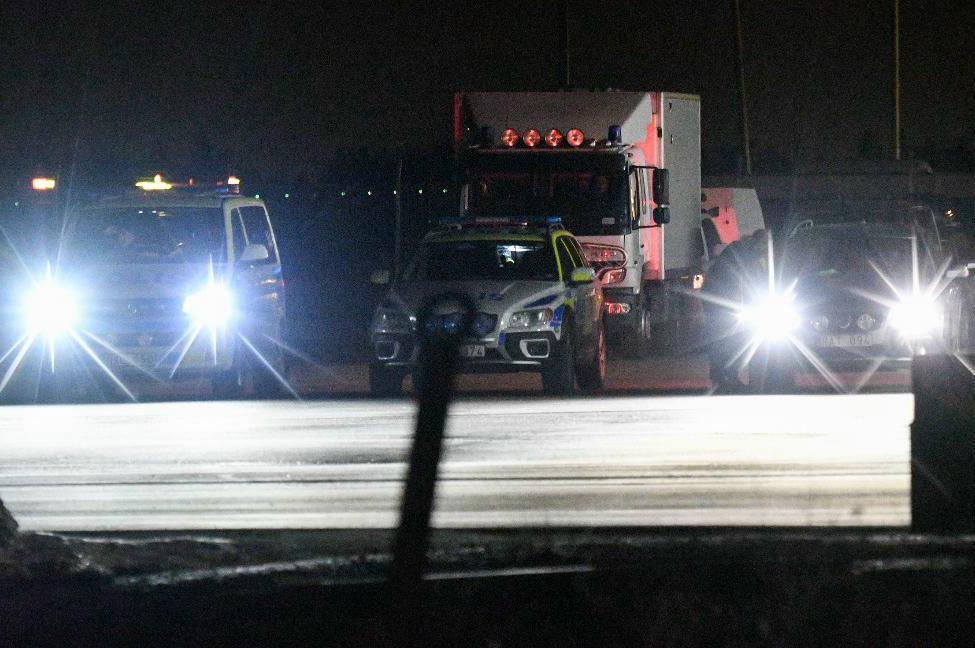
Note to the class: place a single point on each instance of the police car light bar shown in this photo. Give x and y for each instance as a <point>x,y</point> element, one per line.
<point>156,184</point>
<point>43,184</point>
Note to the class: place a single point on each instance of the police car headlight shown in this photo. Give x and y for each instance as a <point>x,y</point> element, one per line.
<point>212,305</point>
<point>388,320</point>
<point>916,317</point>
<point>531,318</point>
<point>50,309</point>
<point>771,318</point>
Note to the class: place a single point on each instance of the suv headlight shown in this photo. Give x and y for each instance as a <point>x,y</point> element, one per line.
<point>916,317</point>
<point>772,317</point>
<point>50,309</point>
<point>388,320</point>
<point>527,319</point>
<point>211,306</point>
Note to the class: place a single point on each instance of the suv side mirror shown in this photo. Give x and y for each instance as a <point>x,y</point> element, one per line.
<point>661,215</point>
<point>379,278</point>
<point>254,253</point>
<point>581,276</point>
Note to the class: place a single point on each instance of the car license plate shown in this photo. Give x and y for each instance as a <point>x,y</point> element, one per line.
<point>142,359</point>
<point>850,340</point>
<point>472,351</point>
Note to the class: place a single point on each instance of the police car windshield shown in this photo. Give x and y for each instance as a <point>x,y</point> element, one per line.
<point>148,235</point>
<point>473,260</point>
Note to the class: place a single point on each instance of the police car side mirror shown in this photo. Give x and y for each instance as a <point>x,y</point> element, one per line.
<point>253,253</point>
<point>379,278</point>
<point>582,276</point>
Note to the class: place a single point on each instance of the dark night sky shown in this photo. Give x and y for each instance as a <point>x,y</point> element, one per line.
<point>274,92</point>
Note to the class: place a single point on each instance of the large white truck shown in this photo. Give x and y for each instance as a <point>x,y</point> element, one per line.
<point>621,169</point>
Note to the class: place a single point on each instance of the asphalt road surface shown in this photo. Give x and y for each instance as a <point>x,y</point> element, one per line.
<point>624,460</point>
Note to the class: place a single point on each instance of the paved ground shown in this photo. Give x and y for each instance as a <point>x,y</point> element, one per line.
<point>626,460</point>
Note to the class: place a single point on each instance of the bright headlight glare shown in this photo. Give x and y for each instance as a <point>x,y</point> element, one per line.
<point>531,318</point>
<point>915,317</point>
<point>771,318</point>
<point>212,305</point>
<point>50,309</point>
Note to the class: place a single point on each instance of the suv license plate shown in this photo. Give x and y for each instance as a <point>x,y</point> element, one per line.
<point>850,340</point>
<point>472,351</point>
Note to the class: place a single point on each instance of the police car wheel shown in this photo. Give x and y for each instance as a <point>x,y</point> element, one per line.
<point>559,377</point>
<point>592,376</point>
<point>384,381</point>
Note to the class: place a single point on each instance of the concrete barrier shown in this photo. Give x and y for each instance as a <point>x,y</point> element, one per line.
<point>943,445</point>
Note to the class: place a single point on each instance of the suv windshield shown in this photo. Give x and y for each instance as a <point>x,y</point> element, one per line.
<point>502,260</point>
<point>147,234</point>
<point>842,253</point>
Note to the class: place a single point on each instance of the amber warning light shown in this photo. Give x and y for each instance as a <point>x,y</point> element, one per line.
<point>43,184</point>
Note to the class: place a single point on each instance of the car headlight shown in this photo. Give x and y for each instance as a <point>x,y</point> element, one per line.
<point>772,317</point>
<point>50,309</point>
<point>211,306</point>
<point>391,321</point>
<point>531,318</point>
<point>915,317</point>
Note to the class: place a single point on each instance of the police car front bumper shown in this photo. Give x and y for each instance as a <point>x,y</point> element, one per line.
<point>504,353</point>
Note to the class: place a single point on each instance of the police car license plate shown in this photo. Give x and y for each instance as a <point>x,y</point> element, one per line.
<point>850,340</point>
<point>472,351</point>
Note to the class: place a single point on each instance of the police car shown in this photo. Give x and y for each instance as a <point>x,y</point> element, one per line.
<point>166,282</point>
<point>539,305</point>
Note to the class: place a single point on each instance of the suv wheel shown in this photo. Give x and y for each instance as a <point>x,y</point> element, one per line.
<point>592,376</point>
<point>559,377</point>
<point>228,385</point>
<point>384,381</point>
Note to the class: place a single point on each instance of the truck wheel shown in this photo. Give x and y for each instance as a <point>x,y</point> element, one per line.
<point>559,377</point>
<point>592,376</point>
<point>385,382</point>
<point>639,336</point>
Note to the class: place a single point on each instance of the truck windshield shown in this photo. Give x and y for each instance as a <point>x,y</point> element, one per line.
<point>589,203</point>
<point>148,235</point>
<point>502,260</point>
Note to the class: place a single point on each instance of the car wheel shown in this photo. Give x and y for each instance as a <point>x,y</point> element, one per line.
<point>384,381</point>
<point>559,376</point>
<point>592,376</point>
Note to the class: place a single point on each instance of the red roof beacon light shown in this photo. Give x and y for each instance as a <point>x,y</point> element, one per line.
<point>531,138</point>
<point>553,137</point>
<point>575,137</point>
<point>510,137</point>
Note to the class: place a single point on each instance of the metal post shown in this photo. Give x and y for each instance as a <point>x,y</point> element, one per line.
<point>398,223</point>
<point>897,80</point>
<point>739,40</point>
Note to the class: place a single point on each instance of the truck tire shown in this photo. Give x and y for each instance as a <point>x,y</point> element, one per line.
<point>638,337</point>
<point>592,376</point>
<point>559,377</point>
<point>385,382</point>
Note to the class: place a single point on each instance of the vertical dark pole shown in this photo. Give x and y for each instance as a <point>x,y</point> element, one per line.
<point>743,97</point>
<point>439,353</point>
<point>398,224</point>
<point>565,73</point>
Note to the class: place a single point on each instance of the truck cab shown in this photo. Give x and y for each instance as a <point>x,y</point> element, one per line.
<point>622,171</point>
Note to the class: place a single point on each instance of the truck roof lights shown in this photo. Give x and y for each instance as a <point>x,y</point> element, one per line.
<point>43,184</point>
<point>575,137</point>
<point>531,138</point>
<point>510,137</point>
<point>156,184</point>
<point>233,181</point>
<point>553,137</point>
